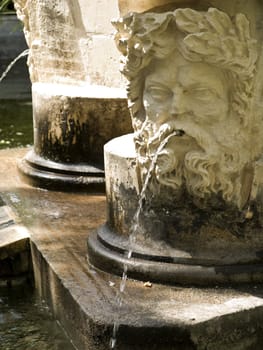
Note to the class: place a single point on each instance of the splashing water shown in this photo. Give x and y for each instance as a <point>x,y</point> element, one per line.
<point>135,227</point>
<point>10,66</point>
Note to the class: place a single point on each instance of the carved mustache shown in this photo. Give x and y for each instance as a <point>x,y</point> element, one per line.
<point>165,131</point>
<point>183,128</point>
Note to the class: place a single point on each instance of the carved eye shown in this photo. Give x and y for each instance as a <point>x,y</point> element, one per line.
<point>159,94</point>
<point>203,93</point>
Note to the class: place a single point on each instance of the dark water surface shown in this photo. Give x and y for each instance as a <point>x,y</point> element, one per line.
<point>26,323</point>
<point>16,124</point>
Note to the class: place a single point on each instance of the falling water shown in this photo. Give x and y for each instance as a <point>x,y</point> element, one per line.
<point>10,66</point>
<point>135,227</point>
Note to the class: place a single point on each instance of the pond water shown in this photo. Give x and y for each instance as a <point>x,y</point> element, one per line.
<point>25,321</point>
<point>16,124</point>
<point>27,324</point>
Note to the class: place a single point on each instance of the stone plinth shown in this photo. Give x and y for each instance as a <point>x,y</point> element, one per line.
<point>158,252</point>
<point>71,125</point>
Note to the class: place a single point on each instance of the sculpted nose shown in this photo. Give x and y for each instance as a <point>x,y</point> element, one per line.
<point>178,103</point>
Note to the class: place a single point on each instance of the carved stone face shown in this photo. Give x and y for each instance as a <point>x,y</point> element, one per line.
<point>192,73</point>
<point>187,94</point>
<point>193,99</point>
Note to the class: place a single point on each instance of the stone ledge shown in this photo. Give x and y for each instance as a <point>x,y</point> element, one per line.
<point>159,317</point>
<point>13,240</point>
<point>5,218</point>
<point>84,299</point>
<point>15,256</point>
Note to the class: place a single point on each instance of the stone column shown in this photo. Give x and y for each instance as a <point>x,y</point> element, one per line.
<point>79,99</point>
<point>185,191</point>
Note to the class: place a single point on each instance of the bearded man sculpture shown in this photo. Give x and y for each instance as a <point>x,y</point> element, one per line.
<point>193,72</point>
<point>197,129</point>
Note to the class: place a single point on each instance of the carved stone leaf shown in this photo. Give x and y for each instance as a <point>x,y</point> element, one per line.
<point>203,43</point>
<point>188,20</point>
<point>240,49</point>
<point>148,22</point>
<point>242,25</point>
<point>220,21</point>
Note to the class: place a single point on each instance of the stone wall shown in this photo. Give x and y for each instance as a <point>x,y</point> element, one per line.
<point>71,41</point>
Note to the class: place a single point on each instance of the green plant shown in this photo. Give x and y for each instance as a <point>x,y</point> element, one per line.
<point>6,5</point>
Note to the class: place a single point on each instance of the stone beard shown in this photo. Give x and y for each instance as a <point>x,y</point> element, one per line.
<point>186,78</point>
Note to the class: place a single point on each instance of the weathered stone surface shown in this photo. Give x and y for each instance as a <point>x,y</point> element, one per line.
<point>84,300</point>
<point>232,7</point>
<point>199,257</point>
<point>122,187</point>
<point>5,218</point>
<point>73,123</point>
<point>15,256</point>
<point>127,6</point>
<point>66,39</point>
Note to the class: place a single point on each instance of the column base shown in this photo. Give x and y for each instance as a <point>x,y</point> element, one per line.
<point>41,172</point>
<point>109,252</point>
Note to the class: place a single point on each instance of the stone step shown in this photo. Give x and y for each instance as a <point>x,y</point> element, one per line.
<point>5,217</point>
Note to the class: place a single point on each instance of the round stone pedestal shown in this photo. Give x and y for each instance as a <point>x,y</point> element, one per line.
<point>71,125</point>
<point>45,173</point>
<point>204,255</point>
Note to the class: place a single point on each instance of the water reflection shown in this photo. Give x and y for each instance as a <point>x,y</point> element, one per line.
<point>26,323</point>
<point>16,126</point>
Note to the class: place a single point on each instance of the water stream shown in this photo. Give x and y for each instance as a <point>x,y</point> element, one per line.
<point>16,127</point>
<point>132,236</point>
<point>10,66</point>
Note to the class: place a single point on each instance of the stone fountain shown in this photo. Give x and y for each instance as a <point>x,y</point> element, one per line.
<point>183,191</point>
<point>194,162</point>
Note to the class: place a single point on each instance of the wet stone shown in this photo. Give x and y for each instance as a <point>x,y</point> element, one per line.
<point>83,298</point>
<point>5,219</point>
